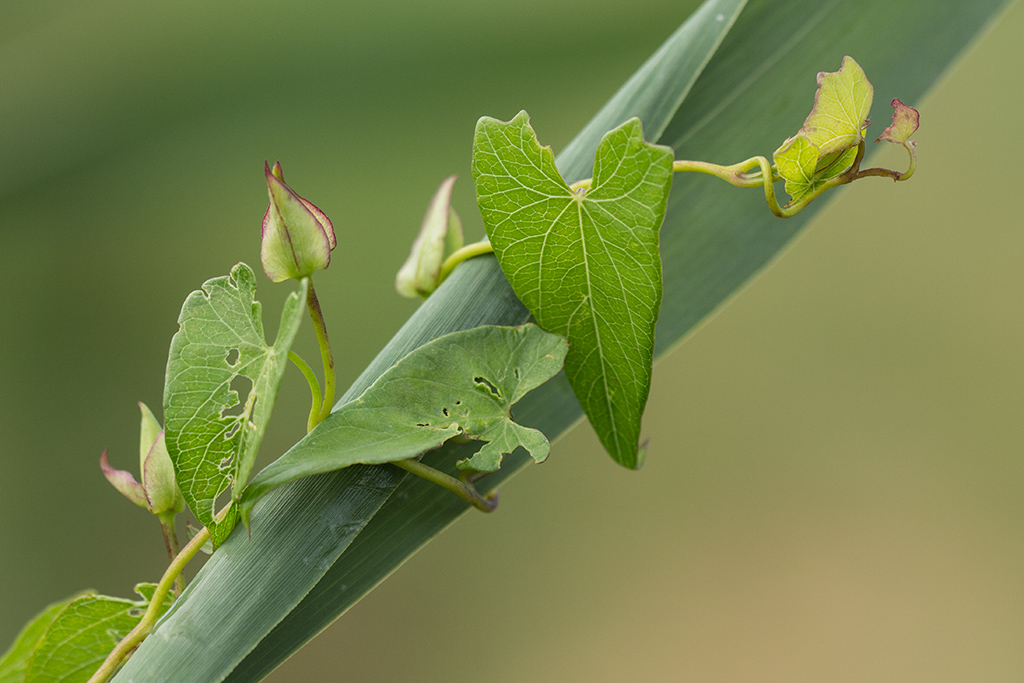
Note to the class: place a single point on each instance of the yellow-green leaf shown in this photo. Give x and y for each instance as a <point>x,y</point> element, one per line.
<point>841,108</point>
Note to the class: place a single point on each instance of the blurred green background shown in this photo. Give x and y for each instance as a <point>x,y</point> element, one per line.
<point>833,490</point>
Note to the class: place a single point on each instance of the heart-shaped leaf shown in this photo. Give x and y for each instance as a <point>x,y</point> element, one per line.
<point>584,261</point>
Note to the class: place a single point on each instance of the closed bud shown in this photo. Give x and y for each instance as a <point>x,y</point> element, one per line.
<point>440,235</point>
<point>297,236</point>
<point>158,491</point>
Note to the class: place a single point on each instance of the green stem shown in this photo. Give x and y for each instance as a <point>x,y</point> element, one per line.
<point>737,174</point>
<point>171,541</point>
<point>325,352</point>
<point>314,389</point>
<point>141,630</point>
<point>460,255</point>
<point>463,490</point>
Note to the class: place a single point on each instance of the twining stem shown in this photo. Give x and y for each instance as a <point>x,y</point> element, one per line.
<point>171,541</point>
<point>325,352</point>
<point>314,389</point>
<point>141,630</point>
<point>462,489</point>
<point>739,175</point>
<point>460,255</point>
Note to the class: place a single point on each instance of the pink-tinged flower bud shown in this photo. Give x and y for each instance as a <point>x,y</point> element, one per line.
<point>158,491</point>
<point>297,236</point>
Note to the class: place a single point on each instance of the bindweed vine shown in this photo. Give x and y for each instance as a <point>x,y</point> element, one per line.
<point>583,258</point>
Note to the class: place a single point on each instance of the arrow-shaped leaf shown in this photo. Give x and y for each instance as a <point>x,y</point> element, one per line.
<point>221,338</point>
<point>584,261</point>
<point>462,383</point>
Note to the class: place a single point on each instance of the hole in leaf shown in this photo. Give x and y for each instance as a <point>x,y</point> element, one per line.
<point>225,463</point>
<point>422,424</point>
<point>222,500</point>
<point>444,411</point>
<point>487,386</point>
<point>232,430</point>
<point>237,397</point>
<point>136,613</point>
<point>458,403</point>
<point>232,357</point>
<point>515,371</point>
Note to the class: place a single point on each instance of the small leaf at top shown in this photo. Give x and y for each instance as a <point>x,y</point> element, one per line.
<point>841,107</point>
<point>826,146</point>
<point>584,262</point>
<point>905,121</point>
<point>221,339</point>
<point>14,662</point>
<point>462,383</point>
<point>81,636</point>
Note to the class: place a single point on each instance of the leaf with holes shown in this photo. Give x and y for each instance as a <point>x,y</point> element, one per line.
<point>82,634</point>
<point>462,383</point>
<point>584,261</point>
<point>219,350</point>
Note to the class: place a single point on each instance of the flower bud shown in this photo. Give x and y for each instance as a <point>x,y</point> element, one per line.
<point>440,235</point>
<point>297,236</point>
<point>158,491</point>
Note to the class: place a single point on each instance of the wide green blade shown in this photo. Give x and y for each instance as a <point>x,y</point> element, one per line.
<point>715,238</point>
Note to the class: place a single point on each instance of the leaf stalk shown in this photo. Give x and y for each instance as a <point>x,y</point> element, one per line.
<point>314,389</point>
<point>462,489</point>
<point>317,315</point>
<point>459,255</point>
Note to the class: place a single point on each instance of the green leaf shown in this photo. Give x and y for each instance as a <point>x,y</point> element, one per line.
<point>841,107</point>
<point>462,383</point>
<point>15,661</point>
<point>221,339</point>
<point>81,636</point>
<point>584,262</point>
<point>826,146</point>
<point>797,162</point>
